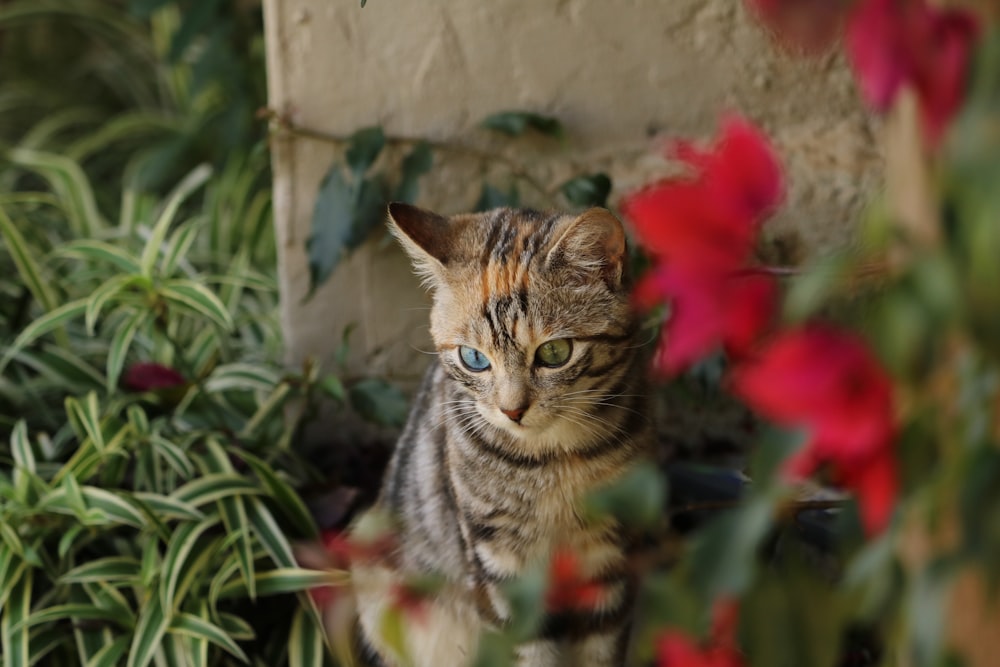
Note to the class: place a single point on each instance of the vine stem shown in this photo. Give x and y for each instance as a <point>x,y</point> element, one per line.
<point>790,508</point>
<point>284,124</point>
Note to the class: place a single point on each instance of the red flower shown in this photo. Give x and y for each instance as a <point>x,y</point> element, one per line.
<point>701,232</point>
<point>897,42</point>
<point>568,589</point>
<point>707,308</point>
<point>675,649</point>
<point>336,550</point>
<point>811,26</point>
<point>151,376</point>
<point>828,382</point>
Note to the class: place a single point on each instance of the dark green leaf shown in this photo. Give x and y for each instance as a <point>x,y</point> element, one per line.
<point>343,217</point>
<point>526,596</point>
<point>194,20</point>
<point>333,387</point>
<point>378,401</point>
<point>491,197</point>
<point>515,123</point>
<point>637,499</point>
<point>723,560</point>
<point>364,148</point>
<point>417,163</point>
<point>585,191</point>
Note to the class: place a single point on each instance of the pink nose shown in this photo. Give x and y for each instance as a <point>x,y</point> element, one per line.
<point>515,414</point>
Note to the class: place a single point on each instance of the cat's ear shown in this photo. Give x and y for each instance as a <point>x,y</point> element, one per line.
<point>594,242</point>
<point>426,237</point>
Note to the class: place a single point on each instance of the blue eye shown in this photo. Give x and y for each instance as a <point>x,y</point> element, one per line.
<point>473,359</point>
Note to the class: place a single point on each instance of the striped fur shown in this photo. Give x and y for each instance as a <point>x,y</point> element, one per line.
<point>480,497</point>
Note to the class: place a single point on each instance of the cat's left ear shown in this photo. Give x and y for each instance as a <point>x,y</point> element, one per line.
<point>425,236</point>
<point>593,242</point>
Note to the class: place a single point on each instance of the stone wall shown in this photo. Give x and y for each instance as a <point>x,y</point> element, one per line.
<point>621,76</point>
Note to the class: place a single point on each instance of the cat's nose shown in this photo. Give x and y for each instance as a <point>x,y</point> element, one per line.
<point>515,414</point>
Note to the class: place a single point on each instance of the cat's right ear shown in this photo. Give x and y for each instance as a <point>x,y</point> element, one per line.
<point>424,235</point>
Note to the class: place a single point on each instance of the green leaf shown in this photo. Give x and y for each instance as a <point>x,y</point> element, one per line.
<point>13,570</point>
<point>86,612</point>
<point>305,642</point>
<point>14,637</point>
<point>243,377</point>
<point>149,631</point>
<point>637,499</point>
<point>267,407</point>
<point>175,457</point>
<point>169,508</point>
<point>100,251</point>
<point>586,191</point>
<point>179,245</point>
<point>63,366</point>
<point>154,243</point>
<point>27,267</point>
<point>392,631</point>
<point>723,559</point>
<point>179,550</point>
<point>516,123</point>
<point>70,185</point>
<point>283,494</point>
<point>526,596</point>
<point>114,506</point>
<point>43,325</point>
<point>111,654</point>
<point>491,197</point>
<point>20,447</point>
<point>236,627</point>
<point>119,346</point>
<point>364,148</point>
<point>270,535</point>
<point>234,516</point>
<point>199,299</point>
<point>284,580</point>
<point>416,163</point>
<point>194,626</point>
<point>378,401</point>
<point>100,296</point>
<point>210,488</point>
<point>336,230</point>
<point>74,497</point>
<point>67,539</point>
<point>86,416</point>
<point>334,388</point>
<point>811,290</point>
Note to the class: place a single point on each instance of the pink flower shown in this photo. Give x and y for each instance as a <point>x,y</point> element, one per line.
<point>701,232</point>
<point>892,43</point>
<point>828,382</point>
<point>151,376</point>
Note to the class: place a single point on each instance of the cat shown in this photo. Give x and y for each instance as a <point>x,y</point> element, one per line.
<point>536,397</point>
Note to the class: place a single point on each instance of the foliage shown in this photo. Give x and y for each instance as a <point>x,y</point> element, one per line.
<point>351,202</point>
<point>876,370</point>
<point>147,500</point>
<point>147,87</point>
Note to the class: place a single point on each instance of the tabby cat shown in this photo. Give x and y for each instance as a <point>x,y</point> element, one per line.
<point>535,398</point>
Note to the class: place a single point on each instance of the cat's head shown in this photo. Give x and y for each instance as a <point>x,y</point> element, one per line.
<point>531,314</point>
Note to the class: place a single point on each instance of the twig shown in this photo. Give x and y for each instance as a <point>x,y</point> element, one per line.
<point>788,509</point>
<point>285,124</point>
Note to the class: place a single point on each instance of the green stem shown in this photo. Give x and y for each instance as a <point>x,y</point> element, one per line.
<point>519,171</point>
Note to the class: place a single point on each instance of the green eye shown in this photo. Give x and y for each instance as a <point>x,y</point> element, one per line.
<point>554,353</point>
<point>473,359</point>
